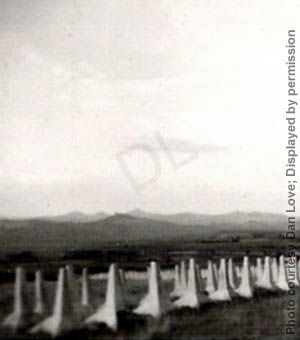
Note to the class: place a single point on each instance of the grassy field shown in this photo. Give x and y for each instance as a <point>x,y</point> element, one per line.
<point>260,318</point>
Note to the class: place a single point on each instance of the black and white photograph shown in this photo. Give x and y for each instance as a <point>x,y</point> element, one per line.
<point>149,181</point>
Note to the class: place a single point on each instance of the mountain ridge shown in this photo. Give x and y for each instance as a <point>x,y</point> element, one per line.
<point>185,218</point>
<point>121,228</point>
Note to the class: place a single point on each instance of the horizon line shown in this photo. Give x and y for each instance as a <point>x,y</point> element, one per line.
<point>10,217</point>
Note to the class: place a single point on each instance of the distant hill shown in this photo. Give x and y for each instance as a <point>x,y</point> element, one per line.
<point>42,233</point>
<point>185,218</point>
<point>75,231</point>
<point>236,217</point>
<point>73,217</point>
<point>77,217</point>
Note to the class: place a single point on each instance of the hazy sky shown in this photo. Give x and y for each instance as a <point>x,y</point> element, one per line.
<point>80,81</point>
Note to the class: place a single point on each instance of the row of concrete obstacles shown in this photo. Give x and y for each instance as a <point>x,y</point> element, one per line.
<point>191,287</point>
<point>228,281</point>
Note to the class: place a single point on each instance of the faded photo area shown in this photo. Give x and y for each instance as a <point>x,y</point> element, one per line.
<point>149,182</point>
